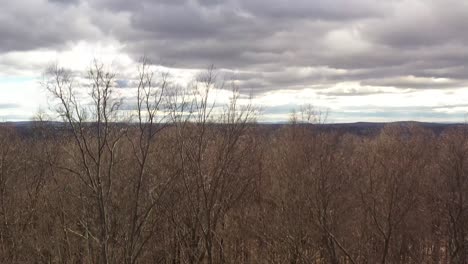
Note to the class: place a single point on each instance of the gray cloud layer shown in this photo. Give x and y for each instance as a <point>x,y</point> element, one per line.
<point>265,44</point>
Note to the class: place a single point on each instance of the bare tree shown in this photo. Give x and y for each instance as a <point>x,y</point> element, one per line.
<point>91,123</point>
<point>213,167</point>
<point>390,184</point>
<point>453,160</point>
<point>152,118</point>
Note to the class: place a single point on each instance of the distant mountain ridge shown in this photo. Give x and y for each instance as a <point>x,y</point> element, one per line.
<point>357,128</point>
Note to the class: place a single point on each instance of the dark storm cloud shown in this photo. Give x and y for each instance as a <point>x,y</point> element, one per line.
<point>29,25</point>
<point>265,44</point>
<point>65,2</point>
<point>232,33</point>
<point>423,23</point>
<point>315,10</point>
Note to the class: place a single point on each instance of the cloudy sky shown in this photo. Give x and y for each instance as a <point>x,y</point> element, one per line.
<point>363,60</point>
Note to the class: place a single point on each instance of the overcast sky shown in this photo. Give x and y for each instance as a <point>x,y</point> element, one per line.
<point>364,60</point>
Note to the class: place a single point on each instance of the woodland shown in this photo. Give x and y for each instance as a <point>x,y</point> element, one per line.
<point>183,180</point>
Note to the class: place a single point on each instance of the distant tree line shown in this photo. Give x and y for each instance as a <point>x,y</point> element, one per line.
<point>184,180</point>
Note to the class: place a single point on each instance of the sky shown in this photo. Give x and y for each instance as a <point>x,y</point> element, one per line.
<point>361,60</point>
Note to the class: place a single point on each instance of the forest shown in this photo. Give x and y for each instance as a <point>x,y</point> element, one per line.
<point>183,180</point>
